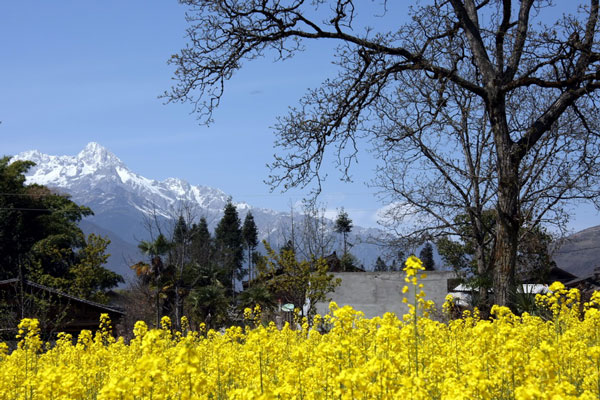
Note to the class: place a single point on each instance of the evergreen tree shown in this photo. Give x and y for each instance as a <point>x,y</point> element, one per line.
<point>288,246</point>
<point>343,225</point>
<point>202,243</point>
<point>180,232</point>
<point>180,260</point>
<point>380,265</point>
<point>250,237</point>
<point>229,245</point>
<point>426,256</point>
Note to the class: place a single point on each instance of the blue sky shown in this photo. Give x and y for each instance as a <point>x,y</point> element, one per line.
<point>77,71</point>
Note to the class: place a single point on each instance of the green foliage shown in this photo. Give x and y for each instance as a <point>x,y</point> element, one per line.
<point>89,279</point>
<point>155,250</point>
<point>380,265</point>
<point>349,263</point>
<point>209,304</point>
<point>156,274</point>
<point>456,254</point>
<point>202,244</point>
<point>250,237</point>
<point>257,294</point>
<point>426,256</point>
<point>460,252</point>
<point>229,245</point>
<point>343,225</point>
<point>534,261</point>
<point>208,299</point>
<point>180,232</point>
<point>297,282</point>
<point>250,231</point>
<point>40,238</point>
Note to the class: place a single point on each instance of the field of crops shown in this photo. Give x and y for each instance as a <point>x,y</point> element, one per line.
<point>342,356</point>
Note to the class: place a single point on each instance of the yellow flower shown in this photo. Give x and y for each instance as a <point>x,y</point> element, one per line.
<point>506,356</point>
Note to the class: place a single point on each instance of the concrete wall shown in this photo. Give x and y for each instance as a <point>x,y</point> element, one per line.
<point>376,293</point>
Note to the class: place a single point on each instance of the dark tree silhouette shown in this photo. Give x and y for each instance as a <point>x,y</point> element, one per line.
<point>343,225</point>
<point>250,236</point>
<point>229,245</point>
<point>426,256</point>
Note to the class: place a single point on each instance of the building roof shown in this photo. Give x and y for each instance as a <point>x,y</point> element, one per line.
<point>592,279</point>
<point>101,306</point>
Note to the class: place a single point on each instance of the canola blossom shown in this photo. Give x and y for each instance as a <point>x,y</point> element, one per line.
<point>341,356</point>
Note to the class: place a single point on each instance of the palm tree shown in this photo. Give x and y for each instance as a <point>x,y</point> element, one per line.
<point>156,270</point>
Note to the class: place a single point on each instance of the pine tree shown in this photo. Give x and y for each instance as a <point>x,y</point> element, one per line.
<point>250,237</point>
<point>343,225</point>
<point>229,245</point>
<point>426,256</point>
<point>380,265</point>
<point>180,231</point>
<point>180,259</point>
<point>202,243</point>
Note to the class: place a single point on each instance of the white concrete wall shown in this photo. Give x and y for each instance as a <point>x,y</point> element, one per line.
<point>376,293</point>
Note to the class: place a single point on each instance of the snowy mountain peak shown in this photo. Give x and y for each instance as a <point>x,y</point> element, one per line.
<point>61,171</point>
<point>96,155</point>
<point>96,173</point>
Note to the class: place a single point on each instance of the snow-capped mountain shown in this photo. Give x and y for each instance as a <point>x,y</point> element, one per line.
<point>122,200</point>
<point>95,170</point>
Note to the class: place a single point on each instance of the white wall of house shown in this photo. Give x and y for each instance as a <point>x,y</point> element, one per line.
<point>375,293</point>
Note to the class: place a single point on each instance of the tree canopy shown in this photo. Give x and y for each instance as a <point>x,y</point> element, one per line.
<point>229,244</point>
<point>40,238</point>
<point>343,225</point>
<point>250,237</point>
<point>426,256</point>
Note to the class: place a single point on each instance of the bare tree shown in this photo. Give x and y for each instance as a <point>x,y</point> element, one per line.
<point>316,239</point>
<point>488,51</point>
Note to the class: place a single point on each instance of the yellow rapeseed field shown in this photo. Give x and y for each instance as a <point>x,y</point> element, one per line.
<point>415,357</point>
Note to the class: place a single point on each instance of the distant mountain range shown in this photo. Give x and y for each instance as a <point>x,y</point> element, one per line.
<point>122,200</point>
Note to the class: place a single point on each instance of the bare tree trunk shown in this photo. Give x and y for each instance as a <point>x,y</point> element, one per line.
<point>505,254</point>
<point>507,230</point>
<point>507,209</point>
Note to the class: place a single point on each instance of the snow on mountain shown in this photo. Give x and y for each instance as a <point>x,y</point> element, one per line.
<point>122,200</point>
<point>96,177</point>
